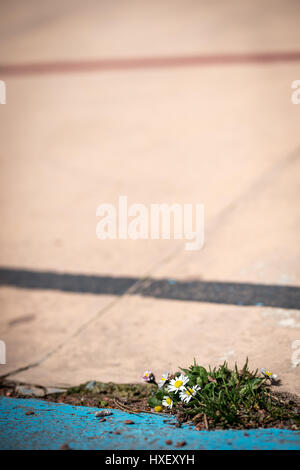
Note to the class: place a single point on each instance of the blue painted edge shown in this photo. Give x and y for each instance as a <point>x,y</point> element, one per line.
<point>50,425</point>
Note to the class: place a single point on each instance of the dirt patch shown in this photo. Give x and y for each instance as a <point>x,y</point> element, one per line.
<point>133,398</point>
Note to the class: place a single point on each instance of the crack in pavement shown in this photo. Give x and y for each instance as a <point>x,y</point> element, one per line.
<point>139,286</point>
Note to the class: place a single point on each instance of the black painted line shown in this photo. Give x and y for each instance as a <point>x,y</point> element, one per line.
<point>232,293</point>
<point>66,282</point>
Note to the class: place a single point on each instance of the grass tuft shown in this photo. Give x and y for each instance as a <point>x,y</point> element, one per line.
<point>229,398</point>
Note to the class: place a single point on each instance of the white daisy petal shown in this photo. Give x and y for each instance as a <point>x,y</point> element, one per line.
<point>148,376</point>
<point>168,402</point>
<point>189,392</point>
<point>268,374</point>
<point>163,379</point>
<point>178,383</point>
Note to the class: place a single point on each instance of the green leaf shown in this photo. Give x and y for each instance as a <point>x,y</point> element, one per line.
<point>153,401</point>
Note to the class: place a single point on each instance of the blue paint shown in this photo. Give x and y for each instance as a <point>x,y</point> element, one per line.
<point>55,424</point>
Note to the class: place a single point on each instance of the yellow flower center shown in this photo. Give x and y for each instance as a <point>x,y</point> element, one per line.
<point>189,391</point>
<point>169,401</point>
<point>268,373</point>
<point>178,383</point>
<point>157,409</point>
<point>162,379</point>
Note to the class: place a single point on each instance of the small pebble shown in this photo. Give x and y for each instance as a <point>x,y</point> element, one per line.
<point>91,385</point>
<point>180,444</point>
<point>169,442</point>
<point>27,390</point>
<point>102,420</point>
<point>65,447</point>
<point>29,413</point>
<point>128,421</point>
<point>54,391</point>
<point>100,414</point>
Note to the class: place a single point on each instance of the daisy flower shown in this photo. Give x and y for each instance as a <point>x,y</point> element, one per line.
<point>168,402</point>
<point>268,374</point>
<point>187,393</point>
<point>148,376</point>
<point>178,383</point>
<point>163,379</point>
<point>158,409</point>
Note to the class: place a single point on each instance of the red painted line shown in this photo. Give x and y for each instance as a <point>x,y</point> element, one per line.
<point>37,68</point>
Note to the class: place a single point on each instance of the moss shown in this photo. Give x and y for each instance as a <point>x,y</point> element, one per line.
<point>112,390</point>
